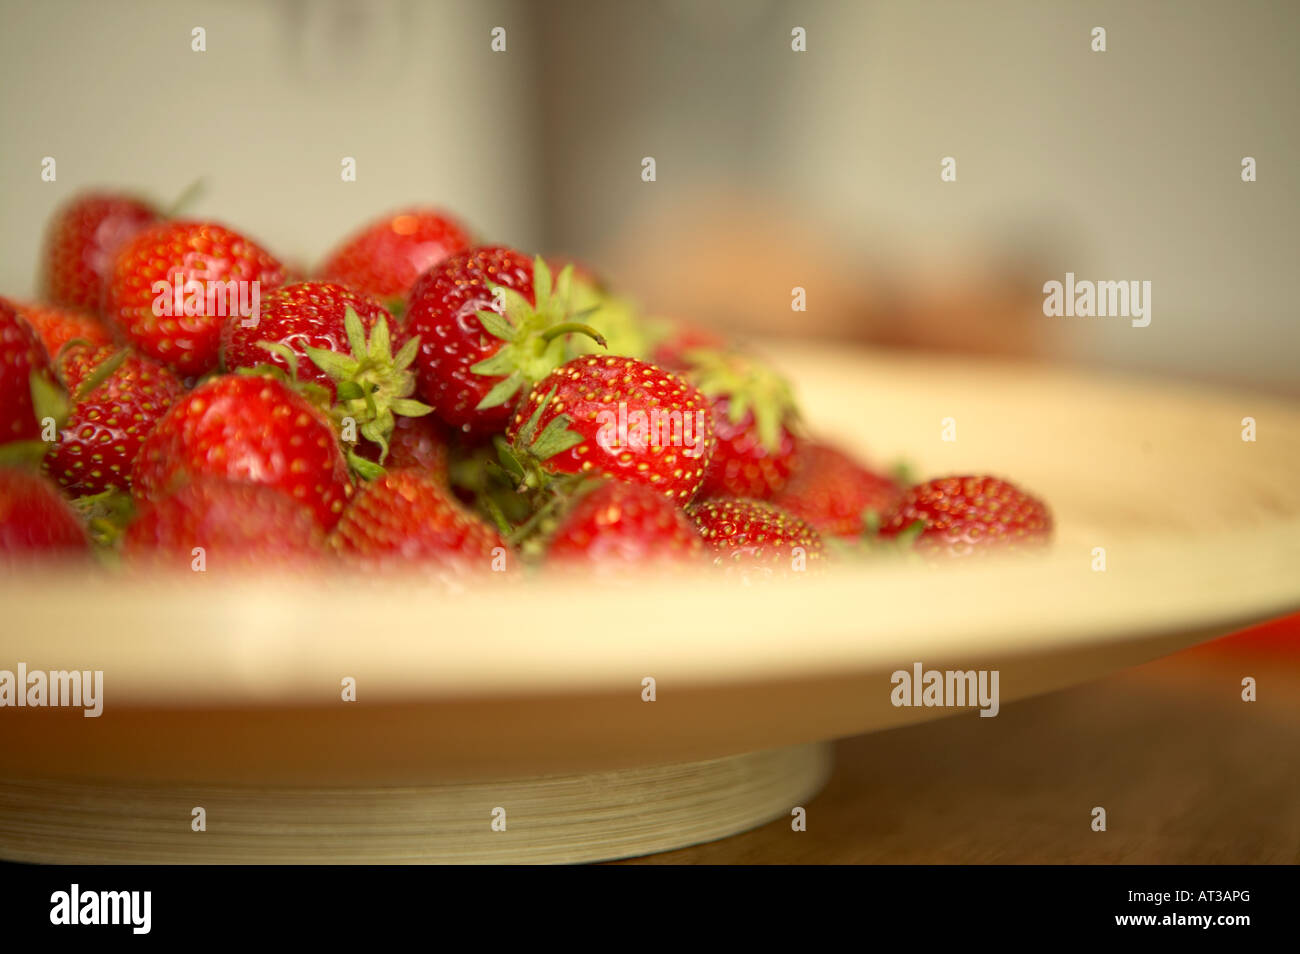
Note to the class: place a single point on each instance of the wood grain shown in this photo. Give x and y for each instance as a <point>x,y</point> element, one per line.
<point>1187,771</point>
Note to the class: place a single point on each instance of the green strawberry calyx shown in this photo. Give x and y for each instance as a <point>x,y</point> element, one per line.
<point>747,385</point>
<point>522,459</point>
<point>519,473</point>
<point>534,337</point>
<point>510,486</point>
<point>371,384</point>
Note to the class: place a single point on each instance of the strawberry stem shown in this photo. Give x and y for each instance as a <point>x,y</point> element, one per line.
<point>572,327</point>
<point>186,199</point>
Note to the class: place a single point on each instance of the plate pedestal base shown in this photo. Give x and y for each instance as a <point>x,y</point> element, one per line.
<point>561,818</point>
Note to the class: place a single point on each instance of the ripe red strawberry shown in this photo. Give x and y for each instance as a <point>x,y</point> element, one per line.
<point>417,443</point>
<point>141,294</point>
<point>296,316</point>
<point>247,428</point>
<point>442,312</point>
<point>386,257</point>
<point>21,355</point>
<point>833,492</point>
<point>316,331</point>
<point>754,534</point>
<point>753,417</point>
<point>83,238</point>
<point>34,519</point>
<point>406,518</point>
<point>116,399</point>
<point>969,516</point>
<point>490,322</point>
<point>622,418</point>
<point>748,462</point>
<point>233,523</point>
<point>616,525</point>
<point>57,325</point>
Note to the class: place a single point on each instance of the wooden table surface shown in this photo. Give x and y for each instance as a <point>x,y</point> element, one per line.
<point>1186,770</point>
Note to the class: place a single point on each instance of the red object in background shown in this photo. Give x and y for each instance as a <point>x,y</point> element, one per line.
<point>83,238</point>
<point>386,257</point>
<point>1278,637</point>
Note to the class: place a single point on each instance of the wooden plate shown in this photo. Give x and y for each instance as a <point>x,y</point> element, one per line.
<point>235,686</point>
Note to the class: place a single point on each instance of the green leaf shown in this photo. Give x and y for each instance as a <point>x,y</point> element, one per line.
<point>48,399</point>
<point>315,394</point>
<point>356,333</point>
<point>380,349</point>
<point>768,419</point>
<point>909,533</point>
<point>495,325</point>
<point>555,438</point>
<point>284,353</point>
<point>494,365</point>
<point>350,391</point>
<point>903,473</point>
<point>376,431</point>
<point>526,432</point>
<point>541,281</point>
<point>407,354</point>
<point>518,308</point>
<point>23,453</point>
<point>564,288</point>
<point>498,518</point>
<point>510,462</point>
<point>365,469</point>
<point>501,392</point>
<point>737,405</point>
<point>337,366</point>
<point>409,408</point>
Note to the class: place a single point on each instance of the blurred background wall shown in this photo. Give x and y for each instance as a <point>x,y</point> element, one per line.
<point>774,168</point>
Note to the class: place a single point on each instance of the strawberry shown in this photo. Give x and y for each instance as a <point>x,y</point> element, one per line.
<point>616,525</point>
<point>749,461</point>
<point>968,516</point>
<point>57,325</point>
<point>754,534</point>
<point>405,518</point>
<point>418,443</point>
<point>490,323</point>
<point>326,324</point>
<point>753,416</point>
<point>834,493</point>
<point>116,399</point>
<point>22,357</point>
<point>250,428</point>
<point>385,257</point>
<point>232,522</point>
<point>211,268</point>
<point>35,519</point>
<point>305,314</point>
<point>619,417</point>
<point>81,242</point>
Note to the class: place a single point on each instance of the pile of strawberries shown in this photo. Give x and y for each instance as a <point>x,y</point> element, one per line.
<point>423,402</point>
